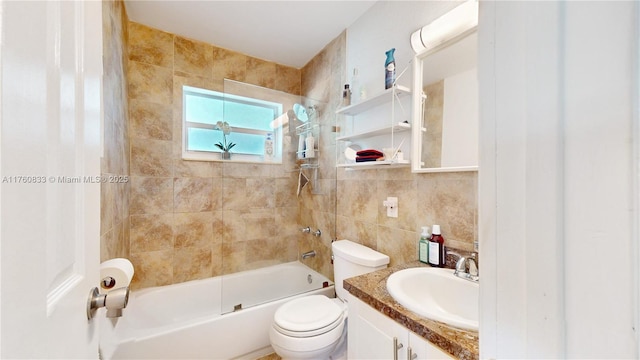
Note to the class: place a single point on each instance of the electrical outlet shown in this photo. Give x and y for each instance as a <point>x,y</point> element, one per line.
<point>392,206</point>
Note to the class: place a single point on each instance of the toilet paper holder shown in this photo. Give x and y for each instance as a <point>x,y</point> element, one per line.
<point>114,302</point>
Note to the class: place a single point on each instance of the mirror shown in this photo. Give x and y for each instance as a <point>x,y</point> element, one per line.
<point>445,111</point>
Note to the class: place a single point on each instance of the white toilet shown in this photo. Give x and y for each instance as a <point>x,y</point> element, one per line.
<point>314,327</point>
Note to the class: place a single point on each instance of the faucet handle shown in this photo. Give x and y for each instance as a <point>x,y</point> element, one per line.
<point>473,266</point>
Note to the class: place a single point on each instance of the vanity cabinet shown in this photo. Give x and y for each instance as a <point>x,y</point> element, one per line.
<point>372,335</point>
<point>374,110</point>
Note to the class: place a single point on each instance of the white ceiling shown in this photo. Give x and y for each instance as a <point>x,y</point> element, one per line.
<point>286,32</point>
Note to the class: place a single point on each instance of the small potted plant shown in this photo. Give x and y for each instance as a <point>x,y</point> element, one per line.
<point>225,145</point>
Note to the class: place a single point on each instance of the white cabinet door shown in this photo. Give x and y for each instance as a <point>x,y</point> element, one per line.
<point>371,334</point>
<point>423,349</point>
<point>51,63</point>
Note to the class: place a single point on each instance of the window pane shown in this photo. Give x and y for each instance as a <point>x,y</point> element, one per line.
<point>250,116</point>
<point>203,139</point>
<point>247,143</point>
<point>202,109</point>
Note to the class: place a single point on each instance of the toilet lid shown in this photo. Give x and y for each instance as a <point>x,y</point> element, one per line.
<point>307,314</point>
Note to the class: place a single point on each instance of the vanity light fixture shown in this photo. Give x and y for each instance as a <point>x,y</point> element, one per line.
<point>454,23</point>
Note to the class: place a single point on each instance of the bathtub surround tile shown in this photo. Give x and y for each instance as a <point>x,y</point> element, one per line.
<point>287,79</point>
<point>153,268</point>
<point>150,46</point>
<point>216,259</point>
<point>233,257</point>
<point>260,193</point>
<point>261,73</point>
<point>201,169</point>
<point>193,57</point>
<point>286,220</point>
<point>149,158</point>
<point>238,170</point>
<point>266,252</point>
<point>193,229</point>
<point>234,194</point>
<point>107,207</point>
<point>192,195</point>
<point>285,192</point>
<point>151,233</point>
<point>191,263</point>
<point>151,195</point>
<point>229,64</point>
<point>150,83</point>
<point>114,198</point>
<point>151,121</point>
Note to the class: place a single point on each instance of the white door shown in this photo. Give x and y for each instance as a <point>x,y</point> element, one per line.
<point>50,110</point>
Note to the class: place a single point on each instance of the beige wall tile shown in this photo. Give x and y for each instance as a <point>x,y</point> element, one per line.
<point>261,73</point>
<point>151,233</point>
<point>150,46</point>
<point>400,245</point>
<point>204,169</point>
<point>149,157</point>
<point>192,195</point>
<point>229,64</point>
<point>260,193</point>
<point>114,198</point>
<point>150,83</point>
<point>405,191</point>
<point>193,229</point>
<point>449,200</point>
<point>150,120</point>
<point>287,79</point>
<point>358,199</point>
<point>151,195</point>
<point>191,263</point>
<point>154,268</point>
<point>193,57</point>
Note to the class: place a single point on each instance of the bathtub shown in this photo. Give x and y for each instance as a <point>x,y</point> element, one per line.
<point>190,320</point>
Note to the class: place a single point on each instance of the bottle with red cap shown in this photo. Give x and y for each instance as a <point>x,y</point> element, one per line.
<point>436,247</point>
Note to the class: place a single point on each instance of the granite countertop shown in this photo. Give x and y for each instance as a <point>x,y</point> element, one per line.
<point>372,289</point>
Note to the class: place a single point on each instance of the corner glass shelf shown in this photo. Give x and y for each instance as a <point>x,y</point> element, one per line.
<point>375,164</point>
<point>373,101</point>
<point>381,131</point>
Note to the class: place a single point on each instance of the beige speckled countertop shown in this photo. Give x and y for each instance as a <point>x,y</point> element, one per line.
<point>372,289</point>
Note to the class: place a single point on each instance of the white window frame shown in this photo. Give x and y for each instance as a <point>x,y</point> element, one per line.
<point>216,155</point>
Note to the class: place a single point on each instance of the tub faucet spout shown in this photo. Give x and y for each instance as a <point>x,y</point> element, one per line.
<point>308,254</point>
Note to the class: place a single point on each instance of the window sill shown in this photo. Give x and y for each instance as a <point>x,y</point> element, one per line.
<point>235,158</point>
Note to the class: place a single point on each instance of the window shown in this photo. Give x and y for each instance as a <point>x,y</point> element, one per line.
<point>250,121</point>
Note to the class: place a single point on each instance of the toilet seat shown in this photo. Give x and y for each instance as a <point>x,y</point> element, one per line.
<point>308,316</point>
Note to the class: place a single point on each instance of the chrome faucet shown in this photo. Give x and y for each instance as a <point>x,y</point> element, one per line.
<point>308,254</point>
<point>466,267</point>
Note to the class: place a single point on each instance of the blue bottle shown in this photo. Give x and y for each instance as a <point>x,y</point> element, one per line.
<point>390,69</point>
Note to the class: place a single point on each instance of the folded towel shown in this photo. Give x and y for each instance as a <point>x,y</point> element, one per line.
<point>367,158</point>
<point>370,152</point>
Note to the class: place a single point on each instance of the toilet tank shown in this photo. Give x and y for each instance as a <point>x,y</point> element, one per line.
<point>351,259</point>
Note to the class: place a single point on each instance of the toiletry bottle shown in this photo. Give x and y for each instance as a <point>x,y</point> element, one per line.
<point>268,147</point>
<point>436,248</point>
<point>309,147</point>
<point>346,95</point>
<point>389,69</point>
<point>300,152</point>
<point>423,245</point>
<point>355,87</point>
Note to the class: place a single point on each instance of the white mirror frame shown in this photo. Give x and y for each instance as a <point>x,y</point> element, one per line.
<point>416,109</point>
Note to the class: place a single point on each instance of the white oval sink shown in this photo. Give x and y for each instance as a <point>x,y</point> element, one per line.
<point>436,294</point>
